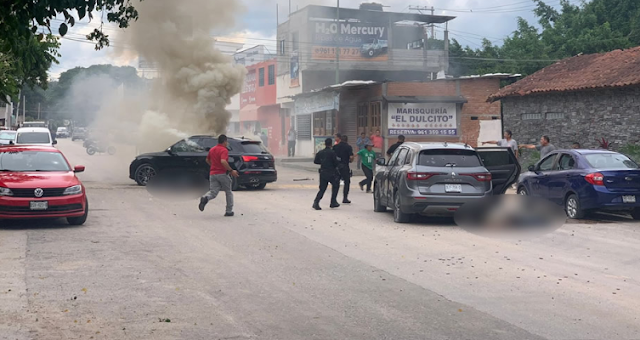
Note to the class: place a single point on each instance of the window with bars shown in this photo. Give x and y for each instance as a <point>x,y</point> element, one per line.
<point>272,74</point>
<point>303,123</point>
<point>261,76</point>
<point>555,115</point>
<point>532,116</point>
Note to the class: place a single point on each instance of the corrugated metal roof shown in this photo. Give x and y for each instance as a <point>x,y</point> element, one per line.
<point>592,71</point>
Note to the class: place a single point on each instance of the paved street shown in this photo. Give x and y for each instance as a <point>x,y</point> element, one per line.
<point>149,268</point>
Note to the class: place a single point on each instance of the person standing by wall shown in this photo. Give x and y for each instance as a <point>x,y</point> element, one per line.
<point>344,152</point>
<point>219,179</point>
<point>328,162</point>
<point>291,138</point>
<point>367,156</point>
<point>508,141</point>
<point>361,143</point>
<point>378,143</point>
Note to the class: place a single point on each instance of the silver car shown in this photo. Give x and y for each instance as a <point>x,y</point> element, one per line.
<point>435,179</point>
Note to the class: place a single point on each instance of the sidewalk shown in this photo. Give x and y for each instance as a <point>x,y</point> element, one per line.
<point>306,163</point>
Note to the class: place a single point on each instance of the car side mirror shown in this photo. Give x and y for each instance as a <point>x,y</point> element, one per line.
<point>381,161</point>
<point>170,151</point>
<point>55,141</point>
<point>532,168</point>
<point>78,168</point>
<point>207,149</point>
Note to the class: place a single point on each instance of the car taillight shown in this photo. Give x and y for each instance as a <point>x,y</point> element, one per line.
<point>419,176</point>
<point>480,177</point>
<point>249,158</point>
<point>595,178</point>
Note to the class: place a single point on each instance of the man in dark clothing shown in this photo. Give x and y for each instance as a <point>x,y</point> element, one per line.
<point>393,147</point>
<point>344,152</point>
<point>328,162</point>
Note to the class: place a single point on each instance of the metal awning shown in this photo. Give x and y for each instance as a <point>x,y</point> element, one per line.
<point>249,113</point>
<point>429,99</point>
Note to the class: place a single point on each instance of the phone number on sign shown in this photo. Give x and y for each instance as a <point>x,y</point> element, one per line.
<point>330,52</point>
<point>424,132</point>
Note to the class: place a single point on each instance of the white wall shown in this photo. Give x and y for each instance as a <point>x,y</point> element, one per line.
<point>489,130</point>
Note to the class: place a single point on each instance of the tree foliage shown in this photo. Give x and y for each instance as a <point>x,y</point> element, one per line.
<point>591,27</point>
<point>28,42</point>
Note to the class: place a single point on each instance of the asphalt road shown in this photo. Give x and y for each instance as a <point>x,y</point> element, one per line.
<point>150,268</point>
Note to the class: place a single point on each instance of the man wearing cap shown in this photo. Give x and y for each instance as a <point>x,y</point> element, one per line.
<point>367,155</point>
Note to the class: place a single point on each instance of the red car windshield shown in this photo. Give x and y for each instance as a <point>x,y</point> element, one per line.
<point>26,161</point>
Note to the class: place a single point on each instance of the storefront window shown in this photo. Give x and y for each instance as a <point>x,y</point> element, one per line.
<point>324,123</point>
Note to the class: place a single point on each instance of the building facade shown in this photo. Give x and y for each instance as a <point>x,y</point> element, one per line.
<point>371,44</point>
<point>445,110</point>
<point>580,99</point>
<point>260,115</point>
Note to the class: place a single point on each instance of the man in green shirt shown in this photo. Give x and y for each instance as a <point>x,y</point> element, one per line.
<point>367,156</point>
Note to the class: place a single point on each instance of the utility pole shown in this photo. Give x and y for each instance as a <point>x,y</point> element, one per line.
<point>24,105</point>
<point>337,45</point>
<point>38,111</point>
<point>433,29</point>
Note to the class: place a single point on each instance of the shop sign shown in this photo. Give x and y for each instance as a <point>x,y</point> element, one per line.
<point>422,119</point>
<point>322,101</point>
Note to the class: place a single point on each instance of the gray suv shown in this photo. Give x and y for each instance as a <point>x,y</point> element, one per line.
<point>435,179</point>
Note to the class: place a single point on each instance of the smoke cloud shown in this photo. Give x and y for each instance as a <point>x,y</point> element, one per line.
<point>196,81</point>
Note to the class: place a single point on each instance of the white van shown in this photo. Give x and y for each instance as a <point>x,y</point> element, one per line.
<point>34,136</point>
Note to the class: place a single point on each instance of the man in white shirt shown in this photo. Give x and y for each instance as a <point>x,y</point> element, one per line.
<point>506,142</point>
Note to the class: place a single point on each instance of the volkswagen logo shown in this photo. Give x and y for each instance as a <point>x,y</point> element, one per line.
<point>453,174</point>
<point>38,192</point>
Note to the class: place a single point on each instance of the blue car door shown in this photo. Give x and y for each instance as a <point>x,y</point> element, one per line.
<point>559,180</point>
<point>540,179</point>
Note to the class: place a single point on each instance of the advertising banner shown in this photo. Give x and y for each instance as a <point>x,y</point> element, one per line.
<point>248,94</point>
<point>356,41</point>
<point>422,119</point>
<point>295,69</point>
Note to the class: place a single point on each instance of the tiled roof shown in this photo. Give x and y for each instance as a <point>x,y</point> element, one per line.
<point>613,69</point>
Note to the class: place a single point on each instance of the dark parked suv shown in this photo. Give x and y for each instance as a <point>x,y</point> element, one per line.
<point>435,179</point>
<point>253,161</point>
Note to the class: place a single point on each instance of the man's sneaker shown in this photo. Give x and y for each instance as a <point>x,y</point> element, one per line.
<point>369,191</point>
<point>346,201</point>
<point>229,214</point>
<point>203,203</point>
<point>334,205</point>
<point>316,206</point>
<point>361,186</point>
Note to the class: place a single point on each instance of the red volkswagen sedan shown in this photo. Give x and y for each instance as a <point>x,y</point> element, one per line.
<point>38,182</point>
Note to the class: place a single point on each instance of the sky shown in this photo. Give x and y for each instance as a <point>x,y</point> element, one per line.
<point>256,25</point>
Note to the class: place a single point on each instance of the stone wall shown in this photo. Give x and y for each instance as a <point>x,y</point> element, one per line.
<point>583,117</point>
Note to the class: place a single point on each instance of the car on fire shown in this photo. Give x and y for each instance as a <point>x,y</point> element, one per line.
<point>255,165</point>
<point>436,179</point>
<point>584,181</point>
<point>38,182</point>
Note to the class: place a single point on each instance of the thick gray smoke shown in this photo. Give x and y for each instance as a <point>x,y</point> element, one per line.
<point>196,80</point>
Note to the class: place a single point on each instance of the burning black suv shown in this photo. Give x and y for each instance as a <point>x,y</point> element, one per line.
<point>253,161</point>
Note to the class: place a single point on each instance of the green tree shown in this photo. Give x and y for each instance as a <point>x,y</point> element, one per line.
<point>592,27</point>
<point>27,42</point>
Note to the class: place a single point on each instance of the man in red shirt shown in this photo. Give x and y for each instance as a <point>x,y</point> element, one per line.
<point>219,178</point>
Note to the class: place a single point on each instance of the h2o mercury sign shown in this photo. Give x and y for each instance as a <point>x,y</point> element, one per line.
<point>422,119</point>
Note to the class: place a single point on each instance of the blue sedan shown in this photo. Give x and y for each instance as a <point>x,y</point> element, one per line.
<point>584,181</point>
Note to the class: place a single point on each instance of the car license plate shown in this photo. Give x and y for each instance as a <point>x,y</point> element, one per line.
<point>39,205</point>
<point>453,188</point>
<point>628,199</point>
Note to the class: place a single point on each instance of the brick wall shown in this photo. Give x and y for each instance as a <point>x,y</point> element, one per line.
<point>577,116</point>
